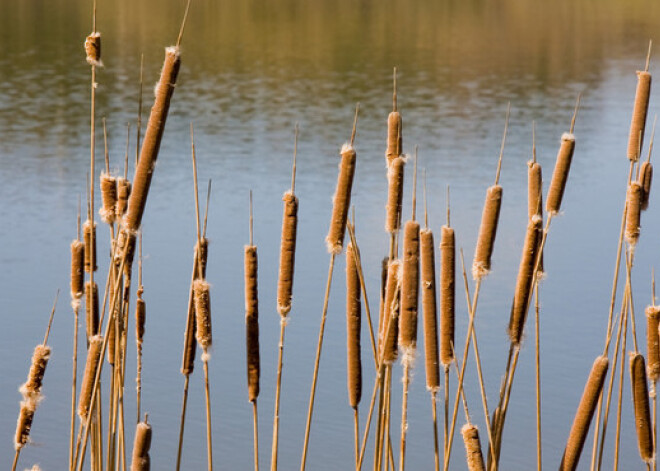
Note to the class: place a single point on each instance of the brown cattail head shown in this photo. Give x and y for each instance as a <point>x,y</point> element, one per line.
<point>409,289</point>
<point>633,212</point>
<point>93,49</point>
<point>353,328</point>
<point>640,395</point>
<point>535,196</point>
<point>141,460</point>
<point>391,313</point>
<point>383,284</point>
<point>584,414</point>
<point>203,313</point>
<point>123,193</point>
<point>77,272</point>
<point>203,255</point>
<point>560,173</point>
<point>89,236</point>
<point>140,317</point>
<point>108,197</point>
<point>447,295</point>
<point>341,200</point>
<point>394,195</point>
<point>487,232</point>
<point>287,253</point>
<point>91,365</point>
<point>475,460</point>
<point>31,390</point>
<point>524,280</point>
<point>24,423</point>
<point>394,139</point>
<point>653,342</point>
<point>645,179</point>
<point>92,308</point>
<point>427,255</point>
<point>152,138</point>
<point>252,322</point>
<point>638,121</point>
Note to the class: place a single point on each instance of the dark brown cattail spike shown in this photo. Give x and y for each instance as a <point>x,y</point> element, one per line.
<point>640,109</point>
<point>640,395</point>
<point>92,308</point>
<point>391,313</point>
<point>646,171</point>
<point>353,327</point>
<point>89,231</point>
<point>633,213</point>
<point>653,342</point>
<point>535,189</point>
<point>252,316</point>
<point>427,265</point>
<point>77,272</point>
<point>395,174</point>
<point>447,294</point>
<point>91,365</point>
<point>584,414</point>
<point>562,168</point>
<point>141,460</point>
<point>394,126</point>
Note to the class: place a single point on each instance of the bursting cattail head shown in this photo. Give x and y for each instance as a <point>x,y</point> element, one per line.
<point>89,236</point>
<point>487,232</point>
<point>645,179</point>
<point>91,365</point>
<point>252,322</point>
<point>123,193</point>
<point>93,49</point>
<point>409,289</point>
<point>394,138</point>
<point>640,109</point>
<point>447,295</point>
<point>203,313</point>
<point>341,200</point>
<point>640,395</point>
<point>584,414</point>
<point>77,272</point>
<point>287,253</point>
<point>353,327</point>
<point>391,313</point>
<point>633,212</point>
<point>427,256</point>
<point>473,455</point>
<point>560,173</point>
<point>653,342</point>
<point>31,389</point>
<point>394,194</point>
<point>141,460</point>
<point>108,197</point>
<point>92,308</point>
<point>24,423</point>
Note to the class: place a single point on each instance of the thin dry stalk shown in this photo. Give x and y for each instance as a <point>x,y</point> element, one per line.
<point>617,437</point>
<point>640,396</point>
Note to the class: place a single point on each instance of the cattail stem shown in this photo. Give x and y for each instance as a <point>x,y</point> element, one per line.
<point>183,421</point>
<point>446,414</point>
<point>278,389</point>
<point>617,436</point>
<point>404,415</point>
<point>73,386</point>
<point>356,425</point>
<point>256,434</point>
<point>207,394</point>
<point>537,309</point>
<point>434,415</point>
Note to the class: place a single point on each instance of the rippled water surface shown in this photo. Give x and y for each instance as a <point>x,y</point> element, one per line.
<point>251,70</point>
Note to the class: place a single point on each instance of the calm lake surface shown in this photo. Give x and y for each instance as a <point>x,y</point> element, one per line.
<point>251,70</point>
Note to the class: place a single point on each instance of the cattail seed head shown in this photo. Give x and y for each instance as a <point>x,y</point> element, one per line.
<point>391,313</point>
<point>427,255</point>
<point>93,49</point>
<point>584,414</point>
<point>341,200</point>
<point>645,179</point>
<point>108,197</point>
<point>92,308</point>
<point>535,197</point>
<point>524,280</point>
<point>203,313</point>
<point>633,212</point>
<point>353,328</point>
<point>653,342</point>
<point>91,365</point>
<point>31,389</point>
<point>487,232</point>
<point>123,193</point>
<point>77,271</point>
<point>394,194</point>
<point>141,460</point>
<point>89,236</point>
<point>252,322</point>
<point>640,395</point>
<point>140,318</point>
<point>640,109</point>
<point>287,253</point>
<point>409,288</point>
<point>475,460</point>
<point>560,173</point>
<point>394,138</point>
<point>447,295</point>
<point>383,284</point>
<point>203,255</point>
<point>24,424</point>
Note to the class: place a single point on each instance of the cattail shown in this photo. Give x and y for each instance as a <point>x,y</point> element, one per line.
<point>645,179</point>
<point>151,144</point>
<point>189,345</point>
<point>31,389</point>
<point>91,365</point>
<point>475,460</point>
<point>487,232</point>
<point>584,414</point>
<point>391,313</point>
<point>640,395</point>
<point>287,253</point>
<point>560,173</point>
<point>140,317</point>
<point>89,232</point>
<point>77,270</point>
<point>108,197</point>
<point>524,280</point>
<point>141,460</point>
<point>535,197</point>
<point>252,322</point>
<point>24,423</point>
<point>638,121</point>
<point>394,195</point>
<point>447,294</point>
<point>653,342</point>
<point>409,287</point>
<point>92,308</point>
<point>427,254</point>
<point>203,255</point>
<point>123,193</point>
<point>93,49</point>
<point>394,138</point>
<point>633,213</point>
<point>353,327</point>
<point>112,334</point>
<point>383,284</point>
<point>203,313</point>
<point>341,200</point>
